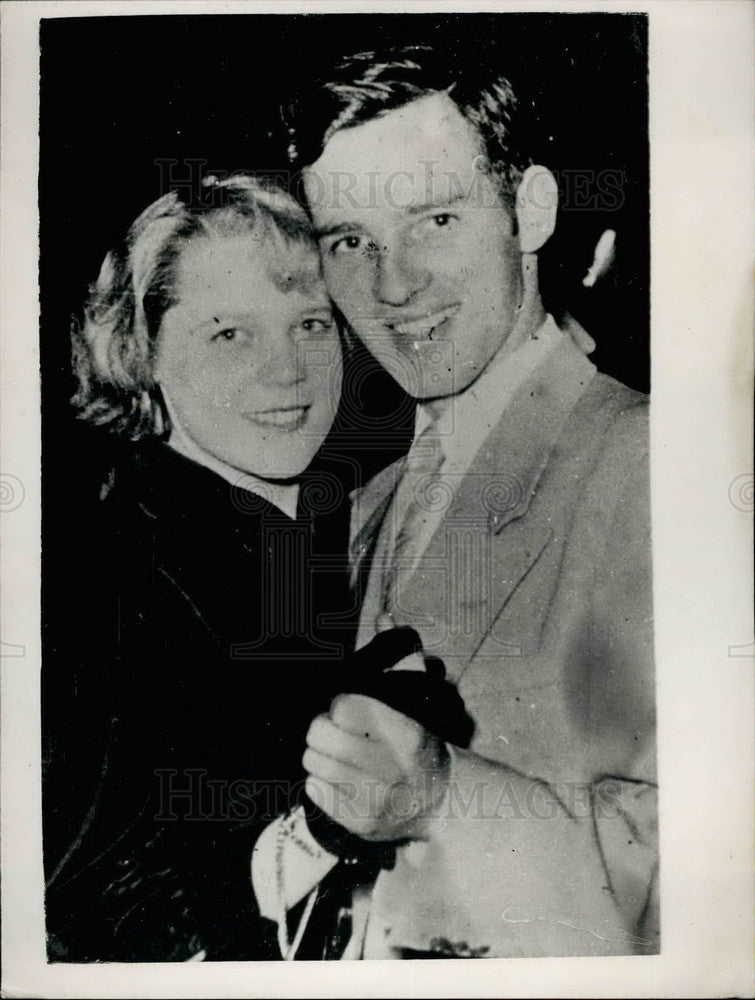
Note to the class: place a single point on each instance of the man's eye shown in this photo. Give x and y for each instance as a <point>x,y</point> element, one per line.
<point>345,244</point>
<point>427,227</point>
<point>441,220</point>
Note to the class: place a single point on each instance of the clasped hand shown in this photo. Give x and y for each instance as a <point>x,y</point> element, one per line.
<point>377,772</point>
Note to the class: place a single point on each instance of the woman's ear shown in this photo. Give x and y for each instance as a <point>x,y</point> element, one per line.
<point>536,206</point>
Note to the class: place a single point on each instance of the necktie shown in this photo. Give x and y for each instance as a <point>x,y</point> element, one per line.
<point>415,502</point>
<point>420,496</point>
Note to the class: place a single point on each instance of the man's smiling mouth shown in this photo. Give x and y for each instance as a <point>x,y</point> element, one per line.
<point>423,327</point>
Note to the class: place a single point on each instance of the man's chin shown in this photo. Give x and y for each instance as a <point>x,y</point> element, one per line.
<point>420,377</point>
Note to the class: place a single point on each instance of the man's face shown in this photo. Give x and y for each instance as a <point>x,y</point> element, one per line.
<point>418,250</point>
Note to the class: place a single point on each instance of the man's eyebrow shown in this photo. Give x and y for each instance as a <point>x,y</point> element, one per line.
<point>440,203</point>
<point>335,229</point>
<point>338,228</point>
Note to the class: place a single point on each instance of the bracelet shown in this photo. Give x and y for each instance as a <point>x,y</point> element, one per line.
<point>288,948</point>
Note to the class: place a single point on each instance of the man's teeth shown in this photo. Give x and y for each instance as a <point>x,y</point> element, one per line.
<point>423,327</point>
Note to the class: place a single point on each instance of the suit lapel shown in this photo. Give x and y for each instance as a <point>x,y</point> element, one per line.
<point>369,505</point>
<point>490,538</point>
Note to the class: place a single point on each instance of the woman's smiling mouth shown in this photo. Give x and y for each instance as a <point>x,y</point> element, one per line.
<point>283,418</point>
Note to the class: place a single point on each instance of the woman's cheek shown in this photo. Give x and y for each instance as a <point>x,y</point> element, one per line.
<point>330,377</point>
<point>216,382</point>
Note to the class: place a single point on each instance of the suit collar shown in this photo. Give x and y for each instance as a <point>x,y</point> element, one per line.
<point>496,491</point>
<point>505,472</point>
<point>502,479</point>
<point>369,504</point>
<point>494,494</point>
<point>503,476</point>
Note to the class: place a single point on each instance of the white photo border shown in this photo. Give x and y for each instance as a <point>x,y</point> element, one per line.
<point>702,139</point>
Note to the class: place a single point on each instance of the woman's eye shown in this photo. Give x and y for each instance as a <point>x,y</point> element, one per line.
<point>442,219</point>
<point>316,325</point>
<point>227,334</point>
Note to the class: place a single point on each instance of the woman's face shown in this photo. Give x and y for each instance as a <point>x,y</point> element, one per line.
<point>249,357</point>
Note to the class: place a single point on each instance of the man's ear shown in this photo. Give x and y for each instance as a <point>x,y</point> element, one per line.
<point>536,206</point>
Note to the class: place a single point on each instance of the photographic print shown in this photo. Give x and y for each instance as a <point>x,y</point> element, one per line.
<point>358,510</point>
<point>358,606</point>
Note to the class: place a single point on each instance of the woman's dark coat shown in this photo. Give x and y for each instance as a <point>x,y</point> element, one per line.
<point>191,633</point>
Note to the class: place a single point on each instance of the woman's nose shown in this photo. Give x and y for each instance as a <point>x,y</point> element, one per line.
<point>280,363</point>
<point>398,277</point>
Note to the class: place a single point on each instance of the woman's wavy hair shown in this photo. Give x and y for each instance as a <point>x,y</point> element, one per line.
<point>114,341</point>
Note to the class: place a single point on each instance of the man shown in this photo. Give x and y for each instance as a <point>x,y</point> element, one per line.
<point>514,538</point>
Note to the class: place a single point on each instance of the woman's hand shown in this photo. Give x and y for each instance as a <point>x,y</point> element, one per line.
<point>378,773</point>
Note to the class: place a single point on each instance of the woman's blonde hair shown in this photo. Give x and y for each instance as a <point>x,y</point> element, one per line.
<point>114,343</point>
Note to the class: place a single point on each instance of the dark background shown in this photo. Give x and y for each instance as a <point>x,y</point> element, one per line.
<point>120,96</point>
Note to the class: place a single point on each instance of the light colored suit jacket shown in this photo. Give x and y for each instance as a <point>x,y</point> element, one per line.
<point>536,591</point>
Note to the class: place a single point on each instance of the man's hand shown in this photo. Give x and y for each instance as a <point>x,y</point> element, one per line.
<point>375,771</point>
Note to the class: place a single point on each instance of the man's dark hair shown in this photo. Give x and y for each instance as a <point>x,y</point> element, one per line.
<point>368,85</point>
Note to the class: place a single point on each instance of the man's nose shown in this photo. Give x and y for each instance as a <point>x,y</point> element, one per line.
<point>398,276</point>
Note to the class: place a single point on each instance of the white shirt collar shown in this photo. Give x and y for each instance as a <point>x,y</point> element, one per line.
<point>469,416</point>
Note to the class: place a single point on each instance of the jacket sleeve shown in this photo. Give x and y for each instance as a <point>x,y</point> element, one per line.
<point>126,879</point>
<point>517,866</point>
<point>511,871</point>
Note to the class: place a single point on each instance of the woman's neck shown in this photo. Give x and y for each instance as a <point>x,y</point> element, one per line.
<point>284,496</point>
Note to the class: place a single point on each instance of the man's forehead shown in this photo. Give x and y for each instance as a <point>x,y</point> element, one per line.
<point>423,152</point>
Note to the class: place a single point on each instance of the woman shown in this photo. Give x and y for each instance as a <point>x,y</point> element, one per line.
<point>210,607</point>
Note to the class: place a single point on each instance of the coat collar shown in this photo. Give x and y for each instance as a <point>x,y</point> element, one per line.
<point>496,492</point>
<point>369,504</point>
<point>176,489</point>
<point>504,474</point>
